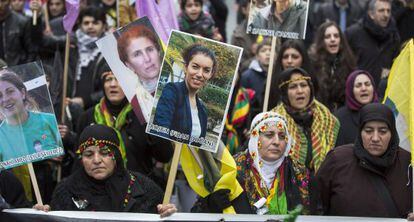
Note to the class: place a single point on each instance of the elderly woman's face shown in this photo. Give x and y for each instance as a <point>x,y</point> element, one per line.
<point>272,143</point>
<point>298,92</point>
<point>363,89</point>
<point>113,90</point>
<point>375,137</point>
<point>98,162</point>
<point>143,58</point>
<point>11,99</point>
<point>198,71</point>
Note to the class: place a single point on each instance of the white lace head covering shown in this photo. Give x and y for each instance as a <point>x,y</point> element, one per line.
<point>260,123</point>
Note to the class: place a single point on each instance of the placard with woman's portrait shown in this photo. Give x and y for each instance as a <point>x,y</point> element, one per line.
<point>193,91</point>
<point>28,126</point>
<point>134,54</point>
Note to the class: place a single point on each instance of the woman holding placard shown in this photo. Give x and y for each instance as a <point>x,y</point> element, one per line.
<point>179,109</point>
<point>271,180</point>
<point>103,183</point>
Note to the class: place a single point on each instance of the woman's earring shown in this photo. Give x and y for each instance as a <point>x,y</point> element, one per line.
<point>259,144</point>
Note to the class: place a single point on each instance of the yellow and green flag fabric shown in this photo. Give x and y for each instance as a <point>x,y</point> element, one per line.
<point>199,165</point>
<point>399,95</point>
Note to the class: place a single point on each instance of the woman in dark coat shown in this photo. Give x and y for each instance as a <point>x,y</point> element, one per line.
<point>360,90</point>
<point>333,61</point>
<point>139,150</point>
<point>369,178</point>
<point>103,184</point>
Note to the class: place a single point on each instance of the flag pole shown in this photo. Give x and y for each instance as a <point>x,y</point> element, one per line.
<point>410,44</point>
<point>269,74</point>
<point>173,173</point>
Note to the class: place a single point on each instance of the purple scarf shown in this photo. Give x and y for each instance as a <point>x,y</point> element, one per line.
<point>351,102</point>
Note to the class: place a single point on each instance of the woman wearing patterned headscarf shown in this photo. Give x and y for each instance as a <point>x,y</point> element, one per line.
<point>312,126</point>
<point>265,171</point>
<point>103,183</point>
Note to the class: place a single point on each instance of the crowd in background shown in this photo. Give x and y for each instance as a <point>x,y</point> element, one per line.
<point>319,87</point>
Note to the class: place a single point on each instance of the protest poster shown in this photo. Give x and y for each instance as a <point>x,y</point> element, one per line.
<point>134,53</point>
<point>278,18</point>
<point>193,91</point>
<point>28,128</point>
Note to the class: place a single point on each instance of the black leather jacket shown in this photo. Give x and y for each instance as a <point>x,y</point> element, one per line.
<point>20,39</point>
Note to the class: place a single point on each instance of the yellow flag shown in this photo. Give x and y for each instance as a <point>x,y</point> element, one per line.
<point>399,95</point>
<point>194,170</point>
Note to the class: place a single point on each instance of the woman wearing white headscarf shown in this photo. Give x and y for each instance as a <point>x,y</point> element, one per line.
<point>266,172</point>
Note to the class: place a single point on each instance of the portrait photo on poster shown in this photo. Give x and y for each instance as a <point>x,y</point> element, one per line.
<point>28,127</point>
<point>279,18</point>
<point>134,53</point>
<point>194,89</point>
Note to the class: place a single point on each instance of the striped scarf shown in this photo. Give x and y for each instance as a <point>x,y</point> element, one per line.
<point>104,117</point>
<point>252,183</point>
<point>324,131</point>
<point>240,112</point>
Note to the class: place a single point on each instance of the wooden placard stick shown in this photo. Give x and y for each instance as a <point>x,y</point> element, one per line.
<point>35,184</point>
<point>173,173</point>
<point>34,17</point>
<point>46,12</point>
<point>65,79</point>
<point>269,74</point>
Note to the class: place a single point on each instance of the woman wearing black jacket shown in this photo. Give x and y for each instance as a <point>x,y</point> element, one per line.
<point>139,150</point>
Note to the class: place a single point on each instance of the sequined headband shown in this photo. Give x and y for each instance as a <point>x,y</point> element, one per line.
<point>279,124</point>
<point>293,80</point>
<point>104,74</point>
<point>94,142</point>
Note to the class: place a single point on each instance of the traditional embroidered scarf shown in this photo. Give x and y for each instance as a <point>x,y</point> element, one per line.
<point>237,118</point>
<point>324,130</point>
<point>109,194</point>
<point>315,122</point>
<point>87,51</point>
<point>103,116</point>
<point>260,124</point>
<point>269,176</point>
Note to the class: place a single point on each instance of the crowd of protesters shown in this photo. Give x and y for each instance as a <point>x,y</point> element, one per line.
<point>325,142</point>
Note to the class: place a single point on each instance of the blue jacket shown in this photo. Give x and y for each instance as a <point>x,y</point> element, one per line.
<point>173,112</point>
